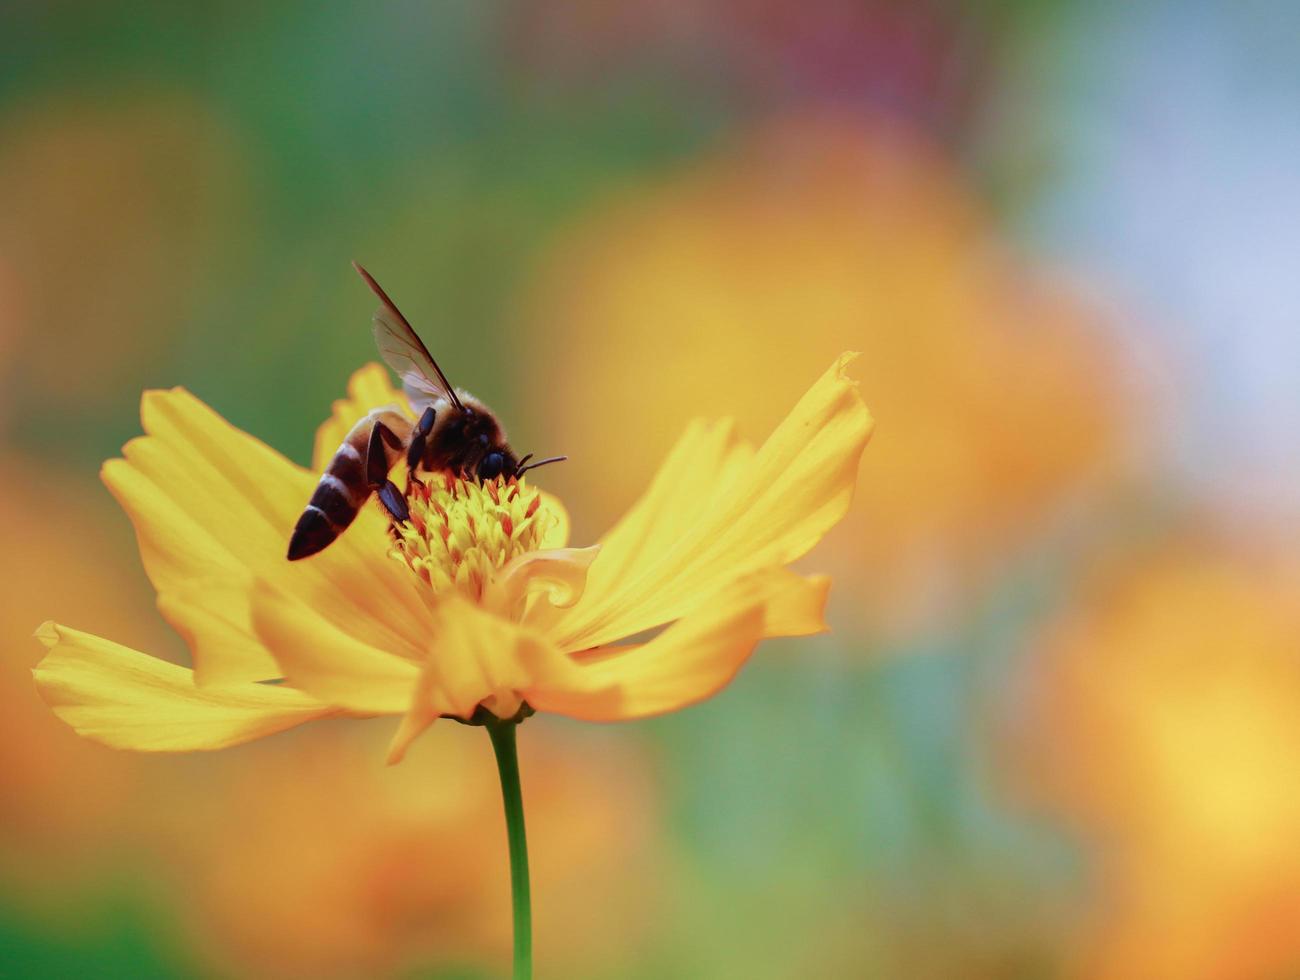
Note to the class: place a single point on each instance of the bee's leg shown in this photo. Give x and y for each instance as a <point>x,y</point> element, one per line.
<point>419,439</point>
<point>394,502</point>
<point>377,462</point>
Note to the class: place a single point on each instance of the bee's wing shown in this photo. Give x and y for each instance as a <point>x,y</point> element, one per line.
<point>405,352</point>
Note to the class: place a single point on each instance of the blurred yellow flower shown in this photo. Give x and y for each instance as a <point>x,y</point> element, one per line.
<point>354,632</point>
<point>301,861</point>
<point>713,291</point>
<point>1172,706</point>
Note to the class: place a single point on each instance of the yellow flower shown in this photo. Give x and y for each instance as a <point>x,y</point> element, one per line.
<point>477,603</point>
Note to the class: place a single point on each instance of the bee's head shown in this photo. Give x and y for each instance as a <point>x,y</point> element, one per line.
<point>497,461</point>
<point>485,454</point>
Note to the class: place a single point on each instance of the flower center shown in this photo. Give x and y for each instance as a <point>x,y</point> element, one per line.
<point>461,532</point>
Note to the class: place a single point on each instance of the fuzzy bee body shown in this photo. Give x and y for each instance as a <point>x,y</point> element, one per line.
<point>455,432</point>
<point>460,438</point>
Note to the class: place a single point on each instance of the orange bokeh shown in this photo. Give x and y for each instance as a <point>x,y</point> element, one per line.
<point>116,206</point>
<point>303,858</point>
<point>64,802</point>
<point>721,292</point>
<point>1171,707</point>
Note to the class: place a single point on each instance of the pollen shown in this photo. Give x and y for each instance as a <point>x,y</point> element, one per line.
<point>460,533</point>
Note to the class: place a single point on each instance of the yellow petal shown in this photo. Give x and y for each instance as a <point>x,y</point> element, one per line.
<point>691,660</point>
<point>474,657</point>
<point>328,663</point>
<point>557,535</point>
<point>480,658</point>
<point>208,616</point>
<point>716,511</point>
<point>212,503</point>
<point>557,577</point>
<point>123,698</point>
<point>369,387</point>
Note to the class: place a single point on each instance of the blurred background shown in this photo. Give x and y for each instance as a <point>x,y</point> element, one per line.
<point>1054,732</point>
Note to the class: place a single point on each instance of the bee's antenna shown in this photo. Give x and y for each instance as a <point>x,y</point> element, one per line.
<point>541,462</point>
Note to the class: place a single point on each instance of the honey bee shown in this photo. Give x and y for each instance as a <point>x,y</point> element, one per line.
<point>455,433</point>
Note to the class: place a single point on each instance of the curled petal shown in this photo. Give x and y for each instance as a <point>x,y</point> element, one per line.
<point>557,577</point>
<point>129,700</point>
<point>474,657</point>
<point>328,663</point>
<point>212,503</point>
<point>716,511</point>
<point>369,387</point>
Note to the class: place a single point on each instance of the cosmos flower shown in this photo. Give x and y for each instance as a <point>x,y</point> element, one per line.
<point>477,603</point>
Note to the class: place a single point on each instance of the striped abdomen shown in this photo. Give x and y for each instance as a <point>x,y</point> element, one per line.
<point>343,487</point>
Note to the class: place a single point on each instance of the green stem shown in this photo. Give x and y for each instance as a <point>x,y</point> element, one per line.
<point>502,734</point>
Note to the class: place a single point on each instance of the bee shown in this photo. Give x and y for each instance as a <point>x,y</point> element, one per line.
<point>455,433</point>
